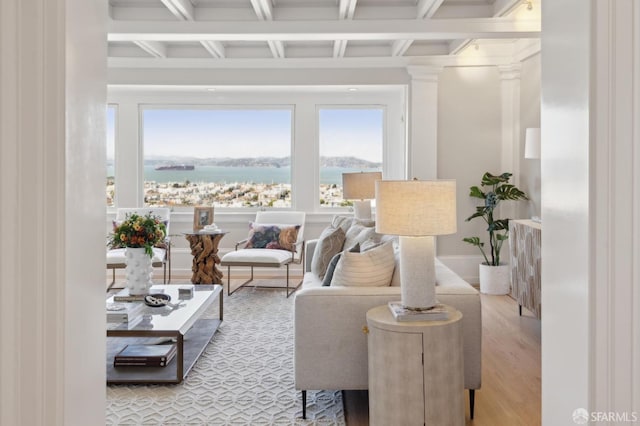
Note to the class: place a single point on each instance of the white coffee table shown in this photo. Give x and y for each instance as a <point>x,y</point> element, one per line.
<point>185,323</point>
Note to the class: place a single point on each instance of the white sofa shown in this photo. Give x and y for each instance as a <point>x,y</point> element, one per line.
<point>331,347</point>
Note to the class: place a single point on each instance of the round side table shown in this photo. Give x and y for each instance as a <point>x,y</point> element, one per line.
<point>416,371</point>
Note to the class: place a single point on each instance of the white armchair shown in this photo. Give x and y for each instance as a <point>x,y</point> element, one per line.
<point>265,257</point>
<point>161,254</point>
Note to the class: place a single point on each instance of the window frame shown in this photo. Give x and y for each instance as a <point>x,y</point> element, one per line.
<point>213,107</point>
<point>354,106</point>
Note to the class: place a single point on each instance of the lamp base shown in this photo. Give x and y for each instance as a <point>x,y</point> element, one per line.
<point>362,209</point>
<point>417,272</point>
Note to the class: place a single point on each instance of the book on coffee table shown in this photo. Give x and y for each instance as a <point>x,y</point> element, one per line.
<point>124,311</point>
<point>145,355</point>
<point>401,313</point>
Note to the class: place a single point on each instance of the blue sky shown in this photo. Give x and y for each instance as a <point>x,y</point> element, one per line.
<point>248,133</point>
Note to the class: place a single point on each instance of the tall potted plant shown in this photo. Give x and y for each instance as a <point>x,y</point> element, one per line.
<point>494,275</point>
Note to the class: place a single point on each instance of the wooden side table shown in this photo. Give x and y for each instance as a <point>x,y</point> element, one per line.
<point>416,371</point>
<point>204,248</point>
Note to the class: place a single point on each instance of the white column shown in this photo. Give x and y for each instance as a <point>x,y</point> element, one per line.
<point>423,122</point>
<point>510,111</point>
<point>129,153</point>
<point>590,209</point>
<point>52,156</point>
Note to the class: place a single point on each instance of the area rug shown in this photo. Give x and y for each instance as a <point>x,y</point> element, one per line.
<point>244,377</point>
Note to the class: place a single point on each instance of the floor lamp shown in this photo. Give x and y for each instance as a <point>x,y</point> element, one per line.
<point>416,211</point>
<point>360,187</point>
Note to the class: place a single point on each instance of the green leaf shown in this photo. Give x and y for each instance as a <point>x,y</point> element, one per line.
<point>475,192</point>
<point>510,192</point>
<point>474,241</point>
<point>501,224</point>
<point>489,180</point>
<point>502,237</point>
<point>479,213</point>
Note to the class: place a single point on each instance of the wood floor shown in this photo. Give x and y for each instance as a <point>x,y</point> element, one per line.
<point>510,393</point>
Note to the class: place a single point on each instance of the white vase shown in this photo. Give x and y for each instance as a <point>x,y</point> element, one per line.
<point>138,271</point>
<point>495,279</point>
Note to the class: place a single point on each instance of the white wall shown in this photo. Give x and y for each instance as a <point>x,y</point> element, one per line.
<point>469,144</point>
<point>52,122</point>
<point>529,180</point>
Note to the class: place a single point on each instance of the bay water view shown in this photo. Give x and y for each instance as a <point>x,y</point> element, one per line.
<point>226,186</point>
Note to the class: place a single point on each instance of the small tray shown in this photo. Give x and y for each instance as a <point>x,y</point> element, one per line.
<point>157,300</point>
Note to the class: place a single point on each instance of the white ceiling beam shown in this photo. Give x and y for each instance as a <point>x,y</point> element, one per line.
<point>215,48</point>
<point>500,8</point>
<point>346,9</point>
<point>457,46</point>
<point>432,29</point>
<point>503,7</point>
<point>154,48</point>
<point>339,47</point>
<point>427,8</point>
<point>264,12</point>
<point>182,9</point>
<point>399,47</point>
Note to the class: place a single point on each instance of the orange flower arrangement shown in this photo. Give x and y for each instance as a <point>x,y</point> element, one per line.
<point>139,231</point>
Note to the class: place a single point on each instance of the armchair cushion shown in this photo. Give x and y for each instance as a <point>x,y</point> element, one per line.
<point>267,257</point>
<point>272,236</point>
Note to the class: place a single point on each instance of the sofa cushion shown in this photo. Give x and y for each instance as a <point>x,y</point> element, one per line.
<point>357,234</point>
<point>329,244</point>
<point>372,268</point>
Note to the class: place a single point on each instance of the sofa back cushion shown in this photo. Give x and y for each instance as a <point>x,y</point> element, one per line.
<point>329,244</point>
<point>372,268</point>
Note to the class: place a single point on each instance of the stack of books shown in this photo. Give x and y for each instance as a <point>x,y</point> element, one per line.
<point>125,312</point>
<point>145,355</point>
<point>124,296</point>
<point>401,313</point>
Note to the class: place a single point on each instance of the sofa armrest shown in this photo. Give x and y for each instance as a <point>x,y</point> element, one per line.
<point>310,247</point>
<point>330,349</point>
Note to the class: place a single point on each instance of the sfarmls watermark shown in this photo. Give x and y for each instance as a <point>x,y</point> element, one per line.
<point>582,416</point>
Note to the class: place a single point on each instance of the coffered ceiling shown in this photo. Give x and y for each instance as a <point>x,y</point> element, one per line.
<point>318,33</point>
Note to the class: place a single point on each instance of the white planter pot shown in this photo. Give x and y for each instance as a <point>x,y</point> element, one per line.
<point>138,271</point>
<point>495,279</point>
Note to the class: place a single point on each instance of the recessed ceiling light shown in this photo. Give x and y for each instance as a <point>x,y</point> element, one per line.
<point>352,89</point>
<point>211,89</point>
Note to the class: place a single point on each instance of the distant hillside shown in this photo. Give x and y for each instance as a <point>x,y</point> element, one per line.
<point>341,162</point>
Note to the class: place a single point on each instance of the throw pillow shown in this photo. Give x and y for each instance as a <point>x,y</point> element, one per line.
<point>372,268</point>
<point>328,276</point>
<point>272,236</point>
<point>329,244</point>
<point>357,234</point>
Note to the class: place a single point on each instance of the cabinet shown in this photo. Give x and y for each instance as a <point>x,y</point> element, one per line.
<point>525,238</point>
<point>416,371</point>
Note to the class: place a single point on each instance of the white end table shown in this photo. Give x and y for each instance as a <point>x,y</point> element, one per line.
<point>416,371</point>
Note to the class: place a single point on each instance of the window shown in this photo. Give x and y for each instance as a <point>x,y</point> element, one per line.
<point>111,151</point>
<point>351,140</point>
<point>219,157</point>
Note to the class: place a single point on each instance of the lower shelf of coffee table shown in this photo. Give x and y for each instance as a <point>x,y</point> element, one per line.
<point>195,341</point>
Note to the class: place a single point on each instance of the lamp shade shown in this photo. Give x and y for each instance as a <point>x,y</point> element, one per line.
<point>532,143</point>
<point>359,186</point>
<point>416,208</point>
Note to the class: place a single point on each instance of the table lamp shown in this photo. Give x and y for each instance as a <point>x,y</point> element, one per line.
<point>361,188</point>
<point>416,211</point>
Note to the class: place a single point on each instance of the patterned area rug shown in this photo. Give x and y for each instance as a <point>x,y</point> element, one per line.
<point>244,377</point>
